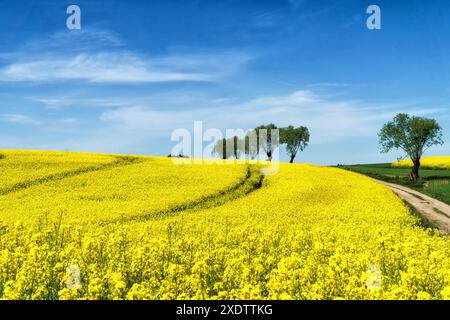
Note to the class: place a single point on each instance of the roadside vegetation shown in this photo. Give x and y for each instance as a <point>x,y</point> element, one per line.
<point>432,182</point>
<point>413,136</point>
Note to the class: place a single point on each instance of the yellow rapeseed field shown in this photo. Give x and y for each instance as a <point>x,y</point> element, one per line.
<point>432,162</point>
<point>149,229</point>
<point>20,168</point>
<point>148,186</point>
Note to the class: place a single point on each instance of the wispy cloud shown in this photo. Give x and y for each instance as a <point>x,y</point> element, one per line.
<point>266,20</point>
<point>329,85</point>
<point>88,39</point>
<point>42,123</point>
<point>19,119</point>
<point>123,68</point>
<point>100,56</point>
<point>329,120</point>
<point>61,102</point>
<point>145,123</point>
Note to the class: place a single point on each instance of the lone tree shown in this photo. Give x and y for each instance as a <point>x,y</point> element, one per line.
<point>413,135</point>
<point>295,139</point>
<point>264,137</point>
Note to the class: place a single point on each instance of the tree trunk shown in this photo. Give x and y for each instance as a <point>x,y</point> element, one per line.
<point>292,158</point>
<point>415,170</point>
<point>269,155</point>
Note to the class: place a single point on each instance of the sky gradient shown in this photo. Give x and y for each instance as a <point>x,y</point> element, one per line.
<point>138,70</point>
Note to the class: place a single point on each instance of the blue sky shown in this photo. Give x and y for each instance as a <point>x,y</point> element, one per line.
<point>138,70</point>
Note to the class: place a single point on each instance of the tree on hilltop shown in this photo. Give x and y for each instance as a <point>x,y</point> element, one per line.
<point>228,148</point>
<point>264,135</point>
<point>296,139</point>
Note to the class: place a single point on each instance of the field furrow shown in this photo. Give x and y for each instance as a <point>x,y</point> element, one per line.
<point>160,230</point>
<point>150,185</point>
<point>120,161</point>
<point>248,184</point>
<point>20,168</point>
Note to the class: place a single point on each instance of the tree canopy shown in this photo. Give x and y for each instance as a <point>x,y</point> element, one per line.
<point>227,148</point>
<point>414,135</point>
<point>265,133</point>
<point>296,139</point>
<point>264,139</point>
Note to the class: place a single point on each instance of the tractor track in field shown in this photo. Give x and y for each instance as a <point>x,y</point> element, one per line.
<point>434,211</point>
<point>119,162</point>
<point>251,182</point>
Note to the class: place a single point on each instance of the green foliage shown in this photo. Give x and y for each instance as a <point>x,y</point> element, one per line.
<point>295,139</point>
<point>411,134</point>
<point>386,170</point>
<point>266,143</point>
<point>263,138</point>
<point>251,144</point>
<point>433,182</point>
<point>228,148</point>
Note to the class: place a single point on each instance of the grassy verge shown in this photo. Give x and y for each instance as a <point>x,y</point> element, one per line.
<point>433,182</point>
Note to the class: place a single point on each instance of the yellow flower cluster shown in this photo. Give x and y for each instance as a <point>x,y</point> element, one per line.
<point>146,188</point>
<point>306,233</point>
<point>20,168</point>
<point>432,162</point>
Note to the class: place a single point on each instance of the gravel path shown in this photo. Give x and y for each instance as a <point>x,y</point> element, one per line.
<point>435,211</point>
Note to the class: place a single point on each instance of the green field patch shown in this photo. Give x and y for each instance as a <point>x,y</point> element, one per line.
<point>433,182</point>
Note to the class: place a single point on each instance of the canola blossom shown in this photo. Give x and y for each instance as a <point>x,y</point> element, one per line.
<point>147,187</point>
<point>21,168</point>
<point>306,232</point>
<point>431,162</point>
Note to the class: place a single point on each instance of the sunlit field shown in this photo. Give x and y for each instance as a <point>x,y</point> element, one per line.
<point>86,226</point>
<point>431,162</point>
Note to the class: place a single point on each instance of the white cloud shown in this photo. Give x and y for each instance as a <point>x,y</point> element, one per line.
<point>301,97</point>
<point>19,119</point>
<point>100,56</point>
<point>54,103</point>
<point>87,39</point>
<point>144,124</point>
<point>328,120</point>
<point>329,85</point>
<point>47,123</point>
<point>124,67</point>
<point>68,121</point>
<point>73,101</point>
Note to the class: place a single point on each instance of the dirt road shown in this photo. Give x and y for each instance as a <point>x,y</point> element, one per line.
<point>435,211</point>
